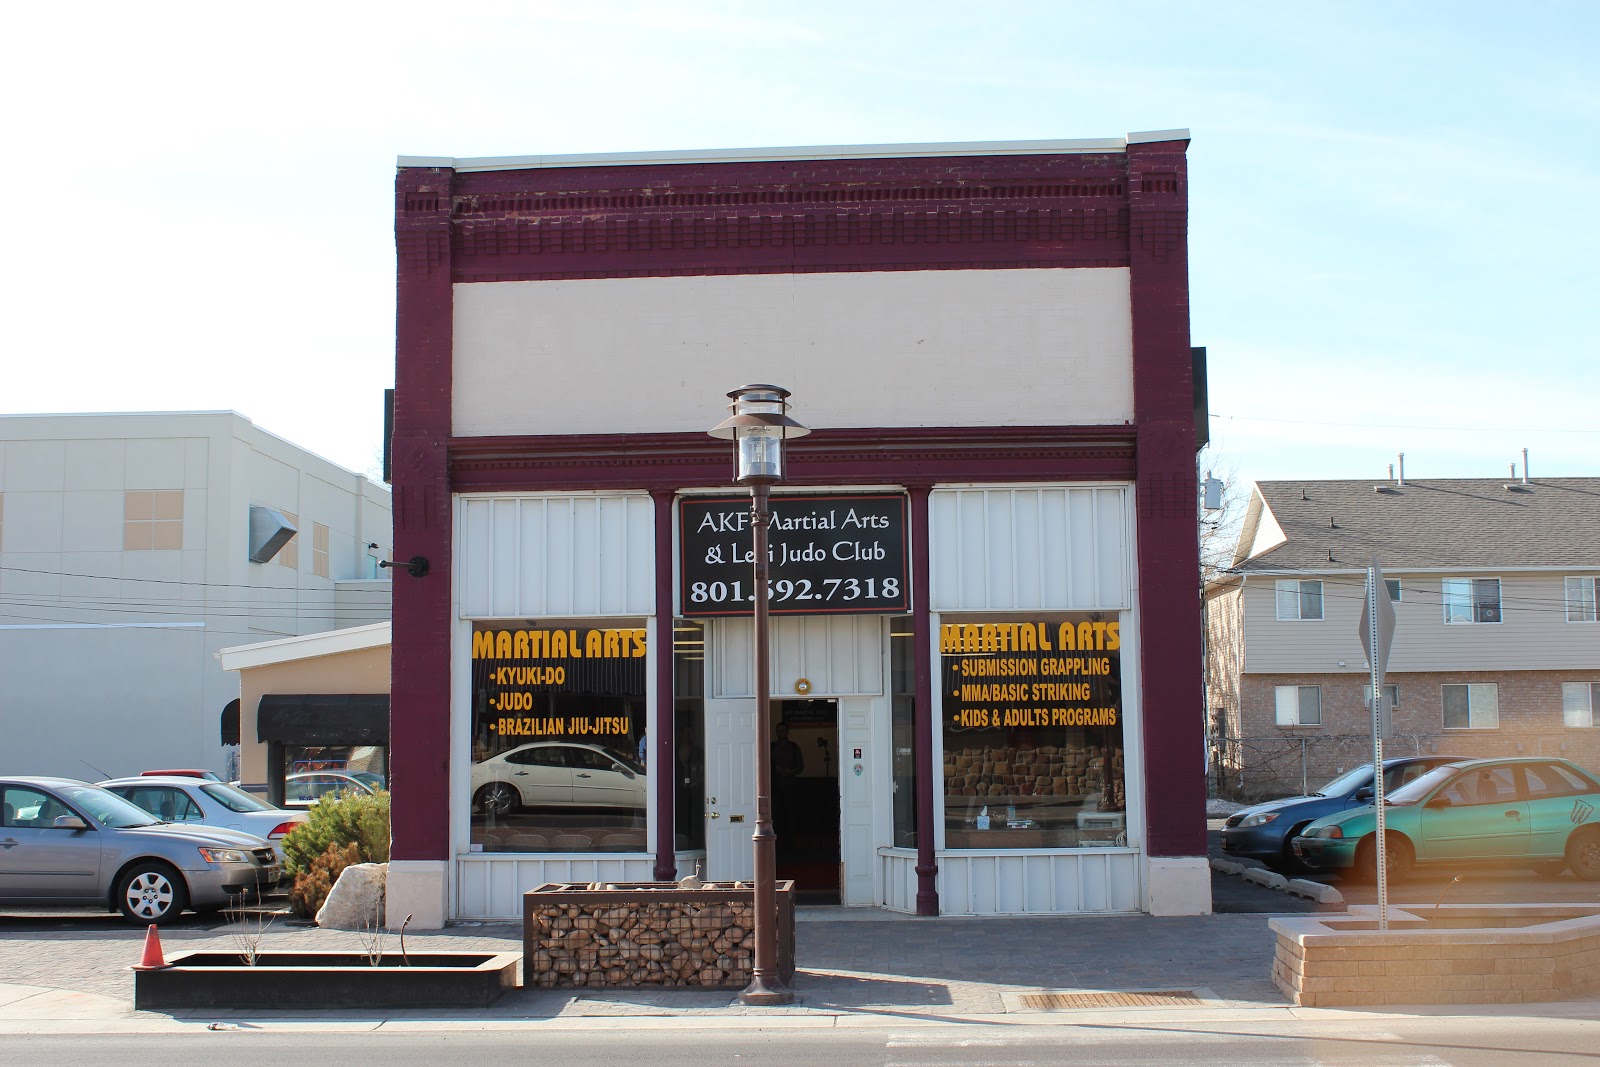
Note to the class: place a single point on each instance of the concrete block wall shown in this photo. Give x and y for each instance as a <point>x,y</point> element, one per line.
<point>1439,967</point>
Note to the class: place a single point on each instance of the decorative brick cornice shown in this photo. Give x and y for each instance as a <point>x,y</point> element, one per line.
<point>784,217</point>
<point>914,456</point>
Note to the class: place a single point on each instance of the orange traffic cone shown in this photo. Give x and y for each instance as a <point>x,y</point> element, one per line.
<point>153,959</point>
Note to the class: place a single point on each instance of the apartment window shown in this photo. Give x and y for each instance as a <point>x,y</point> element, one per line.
<point>1299,705</point>
<point>1391,695</point>
<point>1583,594</point>
<point>1471,707</point>
<point>289,554</point>
<point>319,550</point>
<point>1299,599</point>
<point>152,519</point>
<point>1471,599</point>
<point>1579,700</point>
<point>1394,588</point>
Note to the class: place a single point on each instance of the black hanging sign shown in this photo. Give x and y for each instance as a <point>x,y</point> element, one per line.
<point>828,554</point>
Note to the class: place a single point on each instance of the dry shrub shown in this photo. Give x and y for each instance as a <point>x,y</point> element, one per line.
<point>311,889</point>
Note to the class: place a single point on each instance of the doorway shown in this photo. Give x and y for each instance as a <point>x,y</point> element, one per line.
<point>805,797</point>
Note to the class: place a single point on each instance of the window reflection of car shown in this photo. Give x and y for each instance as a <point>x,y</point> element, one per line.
<point>304,790</point>
<point>554,774</point>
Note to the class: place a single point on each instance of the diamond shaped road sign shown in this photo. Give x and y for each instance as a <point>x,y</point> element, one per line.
<point>1385,619</point>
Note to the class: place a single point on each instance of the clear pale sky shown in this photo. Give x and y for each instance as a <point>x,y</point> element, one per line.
<point>1394,206</point>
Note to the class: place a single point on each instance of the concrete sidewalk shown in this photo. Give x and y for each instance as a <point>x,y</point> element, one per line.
<point>855,967</point>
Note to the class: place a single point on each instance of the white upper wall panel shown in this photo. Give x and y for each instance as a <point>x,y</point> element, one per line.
<point>557,556</point>
<point>1059,549</point>
<point>1040,347</point>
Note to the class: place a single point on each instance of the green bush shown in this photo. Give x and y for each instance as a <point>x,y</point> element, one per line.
<point>360,819</point>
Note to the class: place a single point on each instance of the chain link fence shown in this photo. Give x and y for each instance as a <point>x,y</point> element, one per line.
<point>1251,768</point>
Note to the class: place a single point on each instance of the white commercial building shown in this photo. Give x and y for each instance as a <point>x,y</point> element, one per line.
<point>126,545</point>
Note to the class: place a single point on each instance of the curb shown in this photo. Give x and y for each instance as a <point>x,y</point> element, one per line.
<point>1299,887</point>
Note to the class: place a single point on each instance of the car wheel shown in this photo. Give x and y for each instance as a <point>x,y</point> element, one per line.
<point>1287,862</point>
<point>152,893</point>
<point>1583,854</point>
<point>1399,856</point>
<point>498,798</point>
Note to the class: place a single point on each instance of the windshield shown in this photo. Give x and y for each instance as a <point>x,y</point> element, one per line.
<point>234,799</point>
<point>1418,788</point>
<point>107,808</point>
<point>1348,782</point>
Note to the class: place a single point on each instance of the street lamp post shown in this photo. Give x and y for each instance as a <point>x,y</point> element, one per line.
<point>758,427</point>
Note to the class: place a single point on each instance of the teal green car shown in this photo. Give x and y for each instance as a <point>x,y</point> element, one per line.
<point>1529,812</point>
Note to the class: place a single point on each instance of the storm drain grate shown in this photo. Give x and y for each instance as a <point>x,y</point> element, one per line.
<point>1159,998</point>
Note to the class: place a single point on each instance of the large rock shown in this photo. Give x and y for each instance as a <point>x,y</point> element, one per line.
<point>356,900</point>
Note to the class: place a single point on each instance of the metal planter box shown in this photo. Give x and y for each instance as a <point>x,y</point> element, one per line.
<point>327,980</point>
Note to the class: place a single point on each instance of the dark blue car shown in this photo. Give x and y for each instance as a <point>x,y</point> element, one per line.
<point>1265,831</point>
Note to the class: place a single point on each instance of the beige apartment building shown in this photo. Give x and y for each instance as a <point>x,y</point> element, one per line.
<point>1497,639</point>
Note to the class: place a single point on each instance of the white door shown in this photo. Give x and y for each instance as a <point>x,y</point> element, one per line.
<point>730,789</point>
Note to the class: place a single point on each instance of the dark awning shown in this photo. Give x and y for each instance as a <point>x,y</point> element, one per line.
<point>230,722</point>
<point>324,719</point>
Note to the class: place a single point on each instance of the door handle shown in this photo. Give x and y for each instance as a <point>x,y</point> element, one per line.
<point>1513,814</point>
<point>520,774</point>
<point>583,776</point>
<point>713,815</point>
<point>10,842</point>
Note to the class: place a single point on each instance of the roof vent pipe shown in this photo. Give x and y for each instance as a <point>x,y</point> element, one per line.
<point>1524,466</point>
<point>1513,470</point>
<point>1402,479</point>
<point>1391,472</point>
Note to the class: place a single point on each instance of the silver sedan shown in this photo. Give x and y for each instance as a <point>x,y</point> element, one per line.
<point>65,842</point>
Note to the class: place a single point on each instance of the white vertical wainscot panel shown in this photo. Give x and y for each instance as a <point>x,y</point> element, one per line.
<point>841,655</point>
<point>571,555</point>
<point>1015,882</point>
<point>898,876</point>
<point>1056,548</point>
<point>491,887</point>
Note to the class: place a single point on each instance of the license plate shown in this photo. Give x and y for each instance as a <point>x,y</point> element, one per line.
<point>1298,850</point>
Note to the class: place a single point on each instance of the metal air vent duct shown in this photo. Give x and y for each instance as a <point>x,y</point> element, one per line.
<point>269,531</point>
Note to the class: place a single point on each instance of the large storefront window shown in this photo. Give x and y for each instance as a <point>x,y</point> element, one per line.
<point>1032,710</point>
<point>558,737</point>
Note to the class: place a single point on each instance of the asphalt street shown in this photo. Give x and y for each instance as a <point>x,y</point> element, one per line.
<point>1340,1039</point>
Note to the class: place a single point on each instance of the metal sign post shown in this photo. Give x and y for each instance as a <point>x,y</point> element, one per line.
<point>1377,633</point>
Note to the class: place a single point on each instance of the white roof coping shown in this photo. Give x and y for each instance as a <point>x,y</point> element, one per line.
<point>307,646</point>
<point>820,152</point>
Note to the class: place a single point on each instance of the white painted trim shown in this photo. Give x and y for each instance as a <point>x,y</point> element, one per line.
<point>822,152</point>
<point>307,646</point>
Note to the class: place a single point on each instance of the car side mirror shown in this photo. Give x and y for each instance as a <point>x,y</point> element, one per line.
<point>1365,794</point>
<point>70,822</point>
<point>1439,802</point>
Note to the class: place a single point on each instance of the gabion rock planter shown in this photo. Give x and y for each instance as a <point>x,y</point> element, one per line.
<point>634,934</point>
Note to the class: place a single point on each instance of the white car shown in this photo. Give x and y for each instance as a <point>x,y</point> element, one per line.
<point>181,799</point>
<point>304,790</point>
<point>555,774</point>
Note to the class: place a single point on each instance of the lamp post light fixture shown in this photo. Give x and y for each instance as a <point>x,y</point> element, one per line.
<point>758,427</point>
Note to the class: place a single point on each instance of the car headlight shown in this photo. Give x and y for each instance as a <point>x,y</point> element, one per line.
<point>1260,818</point>
<point>224,855</point>
<point>1326,831</point>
